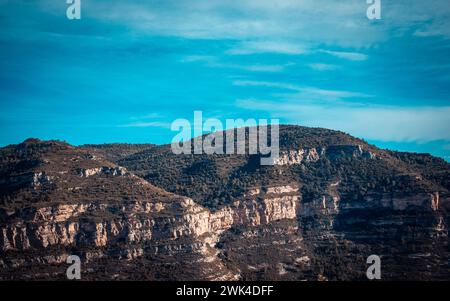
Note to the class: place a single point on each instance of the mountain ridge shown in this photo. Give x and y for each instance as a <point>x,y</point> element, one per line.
<point>317,214</point>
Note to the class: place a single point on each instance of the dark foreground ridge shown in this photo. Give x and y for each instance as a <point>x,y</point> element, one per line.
<point>142,212</point>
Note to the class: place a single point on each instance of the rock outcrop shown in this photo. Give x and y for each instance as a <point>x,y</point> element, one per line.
<point>115,171</point>
<point>309,155</point>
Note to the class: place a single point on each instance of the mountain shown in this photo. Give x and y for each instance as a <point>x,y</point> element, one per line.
<point>142,212</point>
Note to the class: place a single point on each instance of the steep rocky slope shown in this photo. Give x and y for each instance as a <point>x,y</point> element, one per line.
<point>329,202</point>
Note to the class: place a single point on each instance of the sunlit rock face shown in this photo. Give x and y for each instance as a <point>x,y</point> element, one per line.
<point>315,215</point>
<point>311,155</point>
<point>140,221</point>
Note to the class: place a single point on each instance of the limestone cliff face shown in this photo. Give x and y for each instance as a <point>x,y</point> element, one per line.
<point>310,155</point>
<point>120,171</point>
<point>294,157</point>
<point>104,225</point>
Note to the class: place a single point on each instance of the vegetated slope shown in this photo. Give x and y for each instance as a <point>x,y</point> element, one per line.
<point>433,168</point>
<point>116,151</point>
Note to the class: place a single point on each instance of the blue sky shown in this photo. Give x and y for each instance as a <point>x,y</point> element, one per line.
<point>127,69</point>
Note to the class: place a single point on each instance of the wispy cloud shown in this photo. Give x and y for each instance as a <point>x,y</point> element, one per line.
<point>303,93</point>
<point>322,67</point>
<point>254,83</point>
<point>213,62</point>
<point>279,47</point>
<point>317,21</point>
<point>383,123</point>
<point>352,56</point>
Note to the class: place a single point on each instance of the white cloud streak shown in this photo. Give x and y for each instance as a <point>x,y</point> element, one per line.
<point>302,92</point>
<point>280,47</point>
<point>322,67</point>
<point>352,56</point>
<point>213,62</point>
<point>384,123</point>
